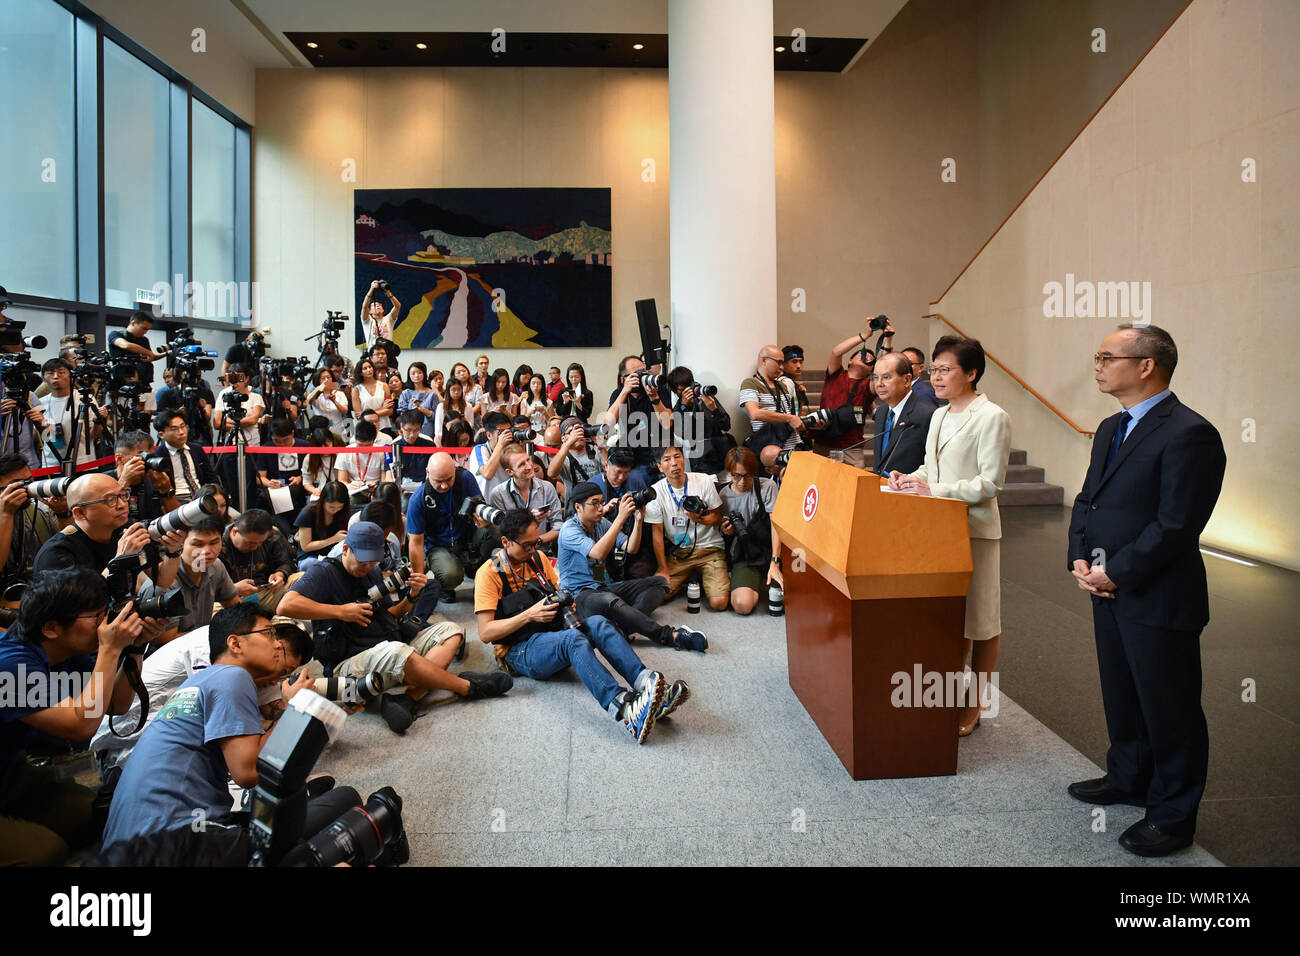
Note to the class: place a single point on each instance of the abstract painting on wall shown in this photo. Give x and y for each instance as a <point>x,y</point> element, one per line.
<point>489,268</point>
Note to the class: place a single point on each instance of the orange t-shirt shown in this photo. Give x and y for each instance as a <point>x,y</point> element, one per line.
<point>487,584</point>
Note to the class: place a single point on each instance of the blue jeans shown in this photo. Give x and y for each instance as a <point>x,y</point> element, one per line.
<point>546,654</point>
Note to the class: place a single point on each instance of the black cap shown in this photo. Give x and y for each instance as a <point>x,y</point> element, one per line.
<point>792,352</point>
<point>584,490</point>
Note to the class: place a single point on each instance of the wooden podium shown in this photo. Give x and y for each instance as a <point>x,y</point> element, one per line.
<point>878,608</point>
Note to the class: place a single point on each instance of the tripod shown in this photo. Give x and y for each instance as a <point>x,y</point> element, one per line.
<point>232,428</point>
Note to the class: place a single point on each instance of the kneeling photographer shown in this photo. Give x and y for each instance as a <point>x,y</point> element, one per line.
<point>590,539</point>
<point>535,632</point>
<point>63,629</point>
<point>359,629</point>
<point>439,536</point>
<point>753,544</point>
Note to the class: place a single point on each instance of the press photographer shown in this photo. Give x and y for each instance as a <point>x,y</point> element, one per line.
<point>189,390</point>
<point>578,458</point>
<point>685,516</point>
<point>847,394</point>
<point>26,523</point>
<point>710,425</point>
<point>535,632</point>
<point>58,413</point>
<point>134,344</point>
<point>203,580</point>
<point>62,621</point>
<point>18,376</point>
<point>258,558</point>
<point>358,609</point>
<point>379,325</point>
<point>769,400</point>
<point>522,490</point>
<point>588,541</point>
<point>753,543</point>
<point>631,396</point>
<point>438,536</point>
<point>140,474</point>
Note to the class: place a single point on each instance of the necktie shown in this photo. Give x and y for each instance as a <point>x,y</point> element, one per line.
<point>191,487</point>
<point>889,426</point>
<point>1120,432</point>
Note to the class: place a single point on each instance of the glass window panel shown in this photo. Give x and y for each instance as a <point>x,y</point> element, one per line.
<point>38,159</point>
<point>136,176</point>
<point>212,216</point>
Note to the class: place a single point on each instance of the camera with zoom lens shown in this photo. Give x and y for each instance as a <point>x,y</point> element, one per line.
<point>184,517</point>
<point>878,323</point>
<point>122,573</point>
<point>351,690</point>
<point>524,435</point>
<point>49,487</point>
<point>393,587</point>
<point>568,610</point>
<point>694,504</point>
<point>818,419</point>
<point>782,459</point>
<point>653,380</point>
<point>477,506</point>
<point>152,462</point>
<point>737,522</point>
<point>639,498</point>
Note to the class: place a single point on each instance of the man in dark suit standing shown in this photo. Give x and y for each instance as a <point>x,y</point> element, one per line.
<point>902,419</point>
<point>187,464</point>
<point>1151,486</point>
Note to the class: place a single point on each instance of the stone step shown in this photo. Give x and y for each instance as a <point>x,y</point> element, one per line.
<point>1031,493</point>
<point>1025,475</point>
<point>1018,457</point>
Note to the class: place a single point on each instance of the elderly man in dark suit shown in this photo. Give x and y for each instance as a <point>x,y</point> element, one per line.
<point>902,419</point>
<point>1151,486</point>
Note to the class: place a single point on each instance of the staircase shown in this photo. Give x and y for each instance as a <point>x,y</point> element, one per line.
<point>1025,485</point>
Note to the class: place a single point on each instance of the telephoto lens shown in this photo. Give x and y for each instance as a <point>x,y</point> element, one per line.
<point>184,517</point>
<point>49,487</point>
<point>705,390</point>
<point>362,835</point>
<point>653,380</point>
<point>817,419</point>
<point>591,431</point>
<point>564,598</point>
<point>693,595</point>
<point>153,462</point>
<point>477,506</point>
<point>775,600</point>
<point>781,460</point>
<point>391,587</point>
<point>643,497</point>
<point>170,604</point>
<point>523,435</point>
<point>351,690</point>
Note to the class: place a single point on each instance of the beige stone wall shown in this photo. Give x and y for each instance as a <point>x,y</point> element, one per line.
<point>1152,191</point>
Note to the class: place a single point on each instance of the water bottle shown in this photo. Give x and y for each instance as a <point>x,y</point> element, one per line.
<point>775,600</point>
<point>693,596</point>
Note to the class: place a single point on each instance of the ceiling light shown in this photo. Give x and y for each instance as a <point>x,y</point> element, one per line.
<point>780,49</point>
<point>422,46</point>
<point>311,45</point>
<point>638,46</point>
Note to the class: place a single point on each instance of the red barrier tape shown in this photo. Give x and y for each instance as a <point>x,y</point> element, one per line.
<point>348,450</point>
<point>83,466</point>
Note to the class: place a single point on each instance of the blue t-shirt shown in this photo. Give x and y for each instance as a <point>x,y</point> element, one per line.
<point>177,768</point>
<point>20,696</point>
<point>575,544</point>
<point>434,515</point>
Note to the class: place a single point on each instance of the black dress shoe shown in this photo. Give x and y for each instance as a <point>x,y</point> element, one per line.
<point>1096,791</point>
<point>1146,839</point>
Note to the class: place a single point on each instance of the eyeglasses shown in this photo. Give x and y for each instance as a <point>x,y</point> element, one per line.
<point>99,615</point>
<point>769,358</point>
<point>116,498</point>
<point>740,476</point>
<point>528,545</point>
<point>889,376</point>
<point>262,630</point>
<point>1105,358</point>
<point>943,369</point>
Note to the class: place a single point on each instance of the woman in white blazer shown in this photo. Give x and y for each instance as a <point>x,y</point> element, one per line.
<point>966,453</point>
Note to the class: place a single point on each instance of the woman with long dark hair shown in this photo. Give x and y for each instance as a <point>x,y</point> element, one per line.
<point>519,387</point>
<point>534,403</point>
<point>575,398</point>
<point>458,433</point>
<point>323,525</point>
<point>498,397</point>
<point>420,396</point>
<point>453,406</point>
<point>370,392</point>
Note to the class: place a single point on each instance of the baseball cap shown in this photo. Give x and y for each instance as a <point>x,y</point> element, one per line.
<point>366,541</point>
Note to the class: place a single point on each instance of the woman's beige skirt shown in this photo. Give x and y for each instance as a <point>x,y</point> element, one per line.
<point>984,600</point>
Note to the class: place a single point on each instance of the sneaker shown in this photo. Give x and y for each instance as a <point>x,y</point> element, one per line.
<point>689,639</point>
<point>447,597</point>
<point>639,713</point>
<point>494,684</point>
<point>674,697</point>
<point>398,711</point>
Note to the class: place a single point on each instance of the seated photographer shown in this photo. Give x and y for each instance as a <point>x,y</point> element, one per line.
<point>322,525</point>
<point>56,418</point>
<point>98,533</point>
<point>769,400</point>
<point>203,580</point>
<point>171,665</point>
<point>618,478</point>
<point>388,515</point>
<point>792,368</point>
<point>258,558</point>
<point>26,523</point>
<point>902,419</point>
<point>684,517</point>
<point>522,490</point>
<point>710,429</point>
<point>134,344</point>
<point>438,536</point>
<point>356,635</point>
<point>588,542</point>
<point>485,460</point>
<point>361,471</point>
<point>62,627</point>
<point>408,470</point>
<point>513,602</point>
<point>331,401</point>
<point>577,459</point>
<point>631,407</point>
<point>187,466</point>
<point>282,470</point>
<point>151,490</point>
<point>211,727</point>
<point>754,549</point>
<point>850,387</point>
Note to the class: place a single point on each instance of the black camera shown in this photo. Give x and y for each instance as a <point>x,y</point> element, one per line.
<point>736,521</point>
<point>12,334</point>
<point>878,323</point>
<point>711,391</point>
<point>392,588</point>
<point>333,324</point>
<point>478,506</point>
<point>642,498</point>
<point>152,462</point>
<point>235,402</point>
<point>383,285</point>
<point>782,459</point>
<point>122,573</point>
<point>523,435</point>
<point>694,504</point>
<point>184,517</point>
<point>568,610</point>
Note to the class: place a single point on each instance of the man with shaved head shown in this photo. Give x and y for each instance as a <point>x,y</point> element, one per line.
<point>439,539</point>
<point>769,400</point>
<point>98,534</point>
